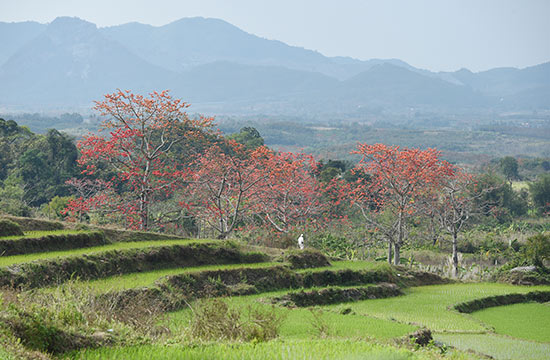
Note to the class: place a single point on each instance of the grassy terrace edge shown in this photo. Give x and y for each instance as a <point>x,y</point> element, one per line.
<point>108,263</point>
<point>172,292</point>
<point>502,300</point>
<point>51,242</point>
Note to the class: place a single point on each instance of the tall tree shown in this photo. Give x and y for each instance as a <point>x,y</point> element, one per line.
<point>291,194</point>
<point>540,194</point>
<point>142,130</point>
<point>397,178</point>
<point>223,184</point>
<point>509,167</point>
<point>452,203</point>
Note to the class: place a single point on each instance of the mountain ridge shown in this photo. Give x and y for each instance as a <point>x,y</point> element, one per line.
<point>71,62</point>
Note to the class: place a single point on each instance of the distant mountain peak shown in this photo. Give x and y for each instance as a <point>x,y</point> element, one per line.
<point>71,28</point>
<point>64,22</point>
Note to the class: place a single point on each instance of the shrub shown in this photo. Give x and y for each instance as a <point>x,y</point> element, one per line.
<point>337,246</point>
<point>9,228</point>
<point>334,295</point>
<point>537,249</point>
<point>307,259</point>
<point>320,325</point>
<point>213,319</point>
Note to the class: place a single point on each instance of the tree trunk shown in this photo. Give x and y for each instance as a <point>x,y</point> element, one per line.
<point>390,254</point>
<point>144,210</point>
<point>455,255</point>
<point>397,244</point>
<point>397,257</point>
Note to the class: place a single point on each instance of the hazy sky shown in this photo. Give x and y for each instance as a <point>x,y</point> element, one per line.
<point>431,34</point>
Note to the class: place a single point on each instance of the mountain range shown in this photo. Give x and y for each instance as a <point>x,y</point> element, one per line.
<point>218,67</point>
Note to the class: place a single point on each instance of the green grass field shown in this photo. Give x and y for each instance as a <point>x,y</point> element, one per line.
<point>325,349</point>
<point>144,279</point>
<point>298,323</point>
<point>323,332</point>
<point>499,347</point>
<point>351,265</point>
<point>17,259</point>
<point>39,234</point>
<point>523,321</point>
<point>428,305</point>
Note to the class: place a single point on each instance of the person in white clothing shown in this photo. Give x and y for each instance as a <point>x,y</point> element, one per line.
<point>301,242</point>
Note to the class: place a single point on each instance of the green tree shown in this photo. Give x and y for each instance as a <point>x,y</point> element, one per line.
<point>540,194</point>
<point>537,249</point>
<point>14,140</point>
<point>11,197</point>
<point>497,198</point>
<point>249,137</point>
<point>46,165</point>
<point>509,168</point>
<point>54,209</point>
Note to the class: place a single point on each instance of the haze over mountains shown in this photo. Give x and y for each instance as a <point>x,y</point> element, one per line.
<point>219,68</point>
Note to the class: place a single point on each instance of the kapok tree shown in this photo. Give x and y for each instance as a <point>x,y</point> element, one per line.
<point>89,195</point>
<point>291,194</point>
<point>142,130</point>
<point>391,181</point>
<point>223,184</point>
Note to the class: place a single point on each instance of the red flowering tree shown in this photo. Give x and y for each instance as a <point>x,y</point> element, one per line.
<point>90,194</point>
<point>142,131</point>
<point>226,179</point>
<point>291,194</point>
<point>391,180</point>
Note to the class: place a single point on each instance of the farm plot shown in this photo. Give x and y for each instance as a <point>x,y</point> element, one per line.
<point>24,258</point>
<point>496,346</point>
<point>429,305</point>
<point>182,269</point>
<point>144,279</point>
<point>313,349</point>
<point>523,321</point>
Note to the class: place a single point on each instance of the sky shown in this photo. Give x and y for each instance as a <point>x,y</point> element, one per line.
<point>439,35</point>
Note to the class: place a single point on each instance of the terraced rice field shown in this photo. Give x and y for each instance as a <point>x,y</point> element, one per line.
<point>18,259</point>
<point>326,349</point>
<point>429,306</point>
<point>144,279</point>
<point>497,346</point>
<point>523,321</point>
<point>345,330</point>
<point>38,234</point>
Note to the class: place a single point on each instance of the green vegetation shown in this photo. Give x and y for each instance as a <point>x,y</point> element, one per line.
<point>308,258</point>
<point>135,280</point>
<point>108,263</point>
<point>325,349</point>
<point>43,233</point>
<point>499,347</point>
<point>540,193</point>
<point>357,265</point>
<point>18,259</point>
<point>502,300</point>
<point>537,249</point>
<point>335,295</point>
<point>428,305</point>
<point>522,321</point>
<point>301,323</point>
<point>9,228</point>
<point>52,242</point>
